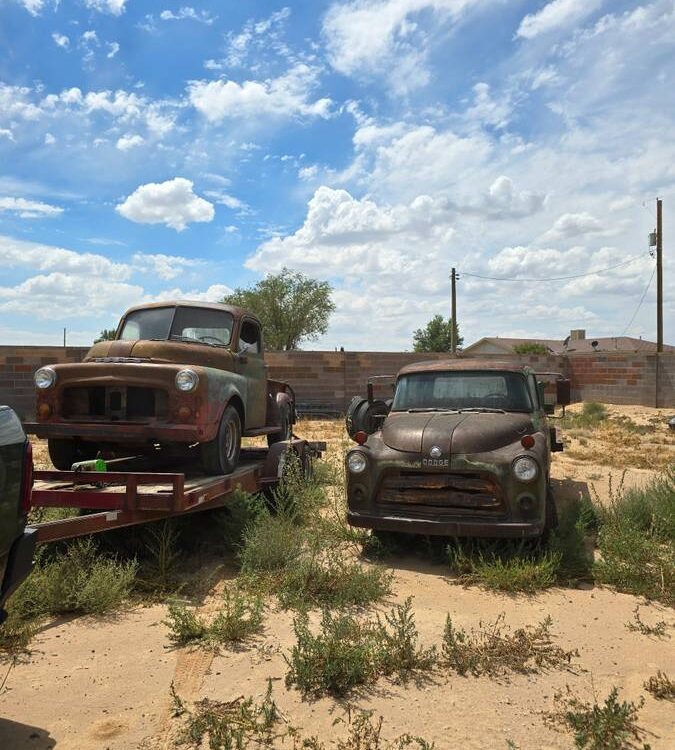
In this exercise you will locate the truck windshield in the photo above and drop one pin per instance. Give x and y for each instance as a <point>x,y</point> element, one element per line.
<point>196,324</point>
<point>505,391</point>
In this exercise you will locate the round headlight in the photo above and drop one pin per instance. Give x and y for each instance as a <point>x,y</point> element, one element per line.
<point>187,380</point>
<point>356,462</point>
<point>45,377</point>
<point>525,469</point>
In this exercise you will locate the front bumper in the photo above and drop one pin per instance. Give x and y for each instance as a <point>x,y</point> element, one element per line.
<point>19,565</point>
<point>113,432</point>
<point>479,527</point>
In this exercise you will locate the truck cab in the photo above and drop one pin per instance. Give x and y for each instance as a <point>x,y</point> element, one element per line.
<point>463,449</point>
<point>16,479</point>
<point>177,374</point>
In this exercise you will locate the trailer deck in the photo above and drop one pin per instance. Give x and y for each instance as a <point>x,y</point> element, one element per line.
<point>128,498</point>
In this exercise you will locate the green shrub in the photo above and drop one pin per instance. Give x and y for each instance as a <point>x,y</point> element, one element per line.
<point>635,562</point>
<point>494,650</point>
<point>591,415</point>
<point>184,625</point>
<point>331,582</point>
<point>240,617</point>
<point>270,543</point>
<point>239,723</point>
<point>346,652</point>
<point>610,726</point>
<point>77,579</point>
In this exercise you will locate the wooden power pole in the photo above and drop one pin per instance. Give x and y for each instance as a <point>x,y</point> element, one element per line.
<point>453,324</point>
<point>659,276</point>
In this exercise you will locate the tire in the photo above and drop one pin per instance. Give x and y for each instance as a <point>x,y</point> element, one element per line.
<point>221,455</point>
<point>64,452</point>
<point>285,431</point>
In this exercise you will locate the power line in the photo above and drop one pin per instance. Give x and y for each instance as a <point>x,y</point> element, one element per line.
<point>642,299</point>
<point>555,278</point>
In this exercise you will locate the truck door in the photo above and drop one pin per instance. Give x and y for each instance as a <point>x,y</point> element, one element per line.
<point>251,365</point>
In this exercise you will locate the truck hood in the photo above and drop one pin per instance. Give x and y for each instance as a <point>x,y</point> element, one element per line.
<point>454,433</point>
<point>162,352</point>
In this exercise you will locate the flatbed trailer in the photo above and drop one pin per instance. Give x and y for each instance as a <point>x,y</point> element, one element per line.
<point>115,499</point>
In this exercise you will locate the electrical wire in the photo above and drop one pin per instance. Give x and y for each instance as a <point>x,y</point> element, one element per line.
<point>553,278</point>
<point>642,299</point>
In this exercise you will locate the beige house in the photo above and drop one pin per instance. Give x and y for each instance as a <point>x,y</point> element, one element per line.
<point>575,342</point>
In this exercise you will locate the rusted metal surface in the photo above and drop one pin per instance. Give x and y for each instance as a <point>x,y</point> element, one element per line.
<point>124,392</point>
<point>133,498</point>
<point>450,470</point>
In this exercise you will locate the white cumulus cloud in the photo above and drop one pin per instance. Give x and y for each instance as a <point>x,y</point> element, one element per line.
<point>128,141</point>
<point>114,7</point>
<point>555,15</point>
<point>61,40</point>
<point>28,209</point>
<point>285,96</point>
<point>188,13</point>
<point>172,203</point>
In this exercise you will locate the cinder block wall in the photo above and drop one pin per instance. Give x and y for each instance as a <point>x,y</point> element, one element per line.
<point>329,380</point>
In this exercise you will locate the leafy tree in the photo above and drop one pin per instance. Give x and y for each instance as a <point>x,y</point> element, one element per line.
<point>531,347</point>
<point>436,336</point>
<point>107,334</point>
<point>292,307</point>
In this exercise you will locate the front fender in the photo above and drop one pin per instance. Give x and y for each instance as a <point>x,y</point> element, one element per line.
<point>222,387</point>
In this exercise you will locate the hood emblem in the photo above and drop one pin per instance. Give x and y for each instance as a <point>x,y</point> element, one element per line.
<point>435,451</point>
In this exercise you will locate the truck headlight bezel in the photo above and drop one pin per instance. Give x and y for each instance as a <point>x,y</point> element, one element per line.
<point>186,380</point>
<point>525,469</point>
<point>357,462</point>
<point>44,378</point>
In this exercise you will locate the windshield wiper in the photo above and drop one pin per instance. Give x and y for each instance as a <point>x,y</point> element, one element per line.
<point>190,340</point>
<point>420,410</point>
<point>484,410</point>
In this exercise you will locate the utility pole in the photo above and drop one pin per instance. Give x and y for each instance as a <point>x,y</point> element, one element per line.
<point>453,328</point>
<point>64,338</point>
<point>659,276</point>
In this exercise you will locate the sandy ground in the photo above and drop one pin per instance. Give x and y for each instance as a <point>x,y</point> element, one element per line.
<point>104,683</point>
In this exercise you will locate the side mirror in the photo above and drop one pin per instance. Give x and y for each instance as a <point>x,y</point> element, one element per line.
<point>563,392</point>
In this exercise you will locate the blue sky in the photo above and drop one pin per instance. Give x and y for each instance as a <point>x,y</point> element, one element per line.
<point>152,150</point>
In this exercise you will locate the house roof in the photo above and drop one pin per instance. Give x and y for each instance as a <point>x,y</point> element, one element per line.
<point>557,346</point>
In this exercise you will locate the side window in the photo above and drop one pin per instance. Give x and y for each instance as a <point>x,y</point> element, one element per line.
<point>534,393</point>
<point>249,338</point>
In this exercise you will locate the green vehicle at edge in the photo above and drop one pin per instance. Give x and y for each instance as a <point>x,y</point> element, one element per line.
<point>17,544</point>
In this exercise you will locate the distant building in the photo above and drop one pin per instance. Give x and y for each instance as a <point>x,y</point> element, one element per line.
<point>575,342</point>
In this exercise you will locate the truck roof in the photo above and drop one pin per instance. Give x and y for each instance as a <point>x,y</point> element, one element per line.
<point>237,312</point>
<point>443,365</point>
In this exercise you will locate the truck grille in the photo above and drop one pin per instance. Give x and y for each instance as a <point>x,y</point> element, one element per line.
<point>461,491</point>
<point>115,403</point>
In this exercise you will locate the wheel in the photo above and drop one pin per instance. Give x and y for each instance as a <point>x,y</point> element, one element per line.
<point>285,427</point>
<point>64,452</point>
<point>221,455</point>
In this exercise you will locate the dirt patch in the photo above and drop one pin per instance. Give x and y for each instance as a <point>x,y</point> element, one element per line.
<point>92,683</point>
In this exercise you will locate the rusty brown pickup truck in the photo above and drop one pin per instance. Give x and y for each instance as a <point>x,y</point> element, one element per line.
<point>464,449</point>
<point>179,376</point>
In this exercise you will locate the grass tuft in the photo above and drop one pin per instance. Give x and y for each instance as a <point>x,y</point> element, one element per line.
<point>661,686</point>
<point>331,582</point>
<point>638,625</point>
<point>494,651</point>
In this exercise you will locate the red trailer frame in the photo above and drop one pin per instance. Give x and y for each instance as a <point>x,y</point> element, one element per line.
<point>125,498</point>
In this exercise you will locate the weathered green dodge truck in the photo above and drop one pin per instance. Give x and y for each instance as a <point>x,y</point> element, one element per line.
<point>464,449</point>
<point>180,376</point>
<point>16,479</point>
